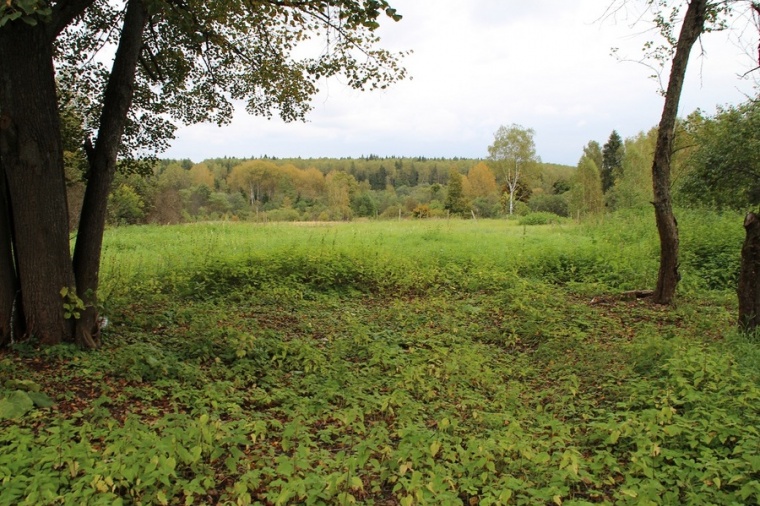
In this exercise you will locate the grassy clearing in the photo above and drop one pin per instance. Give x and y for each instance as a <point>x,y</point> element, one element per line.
<point>444,362</point>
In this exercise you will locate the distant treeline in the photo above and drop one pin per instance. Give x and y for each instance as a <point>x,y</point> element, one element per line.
<point>329,189</point>
<point>714,165</point>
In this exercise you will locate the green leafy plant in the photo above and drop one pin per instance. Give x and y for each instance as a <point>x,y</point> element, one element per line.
<point>411,364</point>
<point>28,11</point>
<point>72,304</point>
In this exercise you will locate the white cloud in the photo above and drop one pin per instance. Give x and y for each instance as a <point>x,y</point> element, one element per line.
<point>479,64</point>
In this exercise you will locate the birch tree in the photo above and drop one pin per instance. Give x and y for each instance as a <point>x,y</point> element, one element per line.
<point>512,153</point>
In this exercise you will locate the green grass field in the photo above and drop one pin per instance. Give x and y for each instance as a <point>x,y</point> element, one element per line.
<point>415,362</point>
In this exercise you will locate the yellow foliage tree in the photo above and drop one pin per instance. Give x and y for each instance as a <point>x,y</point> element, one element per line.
<point>257,178</point>
<point>310,184</point>
<point>201,174</point>
<point>482,182</point>
<point>340,187</point>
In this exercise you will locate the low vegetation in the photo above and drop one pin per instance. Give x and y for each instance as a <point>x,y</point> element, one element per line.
<point>413,362</point>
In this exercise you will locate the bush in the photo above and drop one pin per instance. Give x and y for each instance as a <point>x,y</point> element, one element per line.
<point>541,218</point>
<point>556,204</point>
<point>393,212</point>
<point>486,207</point>
<point>421,211</point>
<point>289,214</point>
<point>711,248</point>
<point>521,208</point>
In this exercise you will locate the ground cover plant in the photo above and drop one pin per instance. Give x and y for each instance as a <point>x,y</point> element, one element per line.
<point>414,362</point>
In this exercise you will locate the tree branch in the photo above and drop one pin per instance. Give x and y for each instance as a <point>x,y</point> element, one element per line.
<point>64,13</point>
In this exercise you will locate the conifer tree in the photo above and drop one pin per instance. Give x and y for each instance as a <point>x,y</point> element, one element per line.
<point>612,160</point>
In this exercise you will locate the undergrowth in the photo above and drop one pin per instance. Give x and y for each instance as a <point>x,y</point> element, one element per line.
<point>440,363</point>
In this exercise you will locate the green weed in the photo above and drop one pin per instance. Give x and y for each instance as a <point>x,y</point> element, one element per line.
<point>436,362</point>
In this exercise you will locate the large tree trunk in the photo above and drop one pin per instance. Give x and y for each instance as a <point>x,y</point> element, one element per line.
<point>11,315</point>
<point>749,278</point>
<point>116,103</point>
<point>32,158</point>
<point>668,277</point>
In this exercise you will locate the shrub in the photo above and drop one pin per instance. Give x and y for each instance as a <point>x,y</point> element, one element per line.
<point>711,251</point>
<point>393,212</point>
<point>421,211</point>
<point>289,214</point>
<point>486,207</point>
<point>549,203</point>
<point>540,218</point>
<point>521,208</point>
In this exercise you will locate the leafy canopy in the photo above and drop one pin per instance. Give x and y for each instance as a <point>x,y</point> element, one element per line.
<point>512,149</point>
<point>724,171</point>
<point>201,58</point>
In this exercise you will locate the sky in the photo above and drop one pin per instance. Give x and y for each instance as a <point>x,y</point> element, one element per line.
<point>480,64</point>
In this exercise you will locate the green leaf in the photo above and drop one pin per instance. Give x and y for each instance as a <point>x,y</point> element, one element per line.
<point>672,430</point>
<point>25,385</point>
<point>15,405</point>
<point>356,483</point>
<point>434,447</point>
<point>41,400</point>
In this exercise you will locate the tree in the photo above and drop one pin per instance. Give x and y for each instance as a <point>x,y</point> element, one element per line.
<point>633,184</point>
<point>548,203</point>
<point>612,160</point>
<point>456,202</point>
<point>364,205</point>
<point>200,174</point>
<point>668,276</point>
<point>512,153</point>
<point>482,181</point>
<point>173,60</point>
<point>174,177</point>
<point>560,186</point>
<point>723,171</point>
<point>125,207</point>
<point>748,290</point>
<point>256,178</point>
<point>310,184</point>
<point>341,187</point>
<point>701,16</point>
<point>593,151</point>
<point>586,195</point>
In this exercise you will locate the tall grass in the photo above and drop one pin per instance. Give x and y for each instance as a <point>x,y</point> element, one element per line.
<point>618,253</point>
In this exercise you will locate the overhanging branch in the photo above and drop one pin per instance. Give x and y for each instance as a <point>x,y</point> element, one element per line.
<point>64,13</point>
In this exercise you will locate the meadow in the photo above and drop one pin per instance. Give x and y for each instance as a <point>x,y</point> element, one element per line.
<point>395,362</point>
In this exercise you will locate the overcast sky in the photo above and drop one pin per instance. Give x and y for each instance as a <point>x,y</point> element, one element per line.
<point>479,64</point>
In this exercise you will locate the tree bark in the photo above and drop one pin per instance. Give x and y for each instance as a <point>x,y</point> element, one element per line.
<point>10,308</point>
<point>32,158</point>
<point>116,103</point>
<point>667,226</point>
<point>749,277</point>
